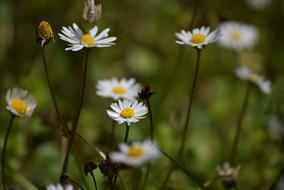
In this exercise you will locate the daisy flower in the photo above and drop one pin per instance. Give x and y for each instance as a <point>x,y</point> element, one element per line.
<point>116,89</point>
<point>77,40</point>
<point>136,154</point>
<point>245,73</point>
<point>20,103</point>
<point>127,111</point>
<point>59,187</point>
<point>228,172</point>
<point>237,36</point>
<point>199,37</point>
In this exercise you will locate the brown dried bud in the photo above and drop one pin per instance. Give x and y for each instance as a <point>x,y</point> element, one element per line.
<point>92,12</point>
<point>146,92</point>
<point>89,166</point>
<point>44,33</point>
<point>108,168</point>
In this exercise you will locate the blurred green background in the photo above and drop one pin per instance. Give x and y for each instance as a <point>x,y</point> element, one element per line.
<point>146,50</point>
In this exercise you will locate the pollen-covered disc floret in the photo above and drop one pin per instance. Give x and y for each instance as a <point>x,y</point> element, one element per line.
<point>118,89</point>
<point>20,103</point>
<point>59,187</point>
<point>237,35</point>
<point>127,111</point>
<point>136,154</point>
<point>77,40</point>
<point>245,73</point>
<point>199,37</point>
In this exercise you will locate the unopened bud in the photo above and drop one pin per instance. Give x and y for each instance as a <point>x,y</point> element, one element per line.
<point>44,33</point>
<point>146,92</point>
<point>89,166</point>
<point>92,12</point>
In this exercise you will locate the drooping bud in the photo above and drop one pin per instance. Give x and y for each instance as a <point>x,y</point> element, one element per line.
<point>92,12</point>
<point>89,166</point>
<point>65,179</point>
<point>146,92</point>
<point>44,33</point>
<point>108,168</point>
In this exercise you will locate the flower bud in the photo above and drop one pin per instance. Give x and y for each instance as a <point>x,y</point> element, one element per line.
<point>89,166</point>
<point>92,12</point>
<point>146,92</point>
<point>44,33</point>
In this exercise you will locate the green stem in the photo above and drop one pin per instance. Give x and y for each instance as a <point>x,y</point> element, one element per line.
<point>146,176</point>
<point>3,160</point>
<point>126,132</point>
<point>186,125</point>
<point>151,120</point>
<point>94,179</point>
<point>78,111</point>
<point>234,148</point>
<point>59,117</point>
<point>190,174</point>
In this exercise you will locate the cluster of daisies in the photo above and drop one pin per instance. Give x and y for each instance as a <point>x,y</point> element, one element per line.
<point>127,110</point>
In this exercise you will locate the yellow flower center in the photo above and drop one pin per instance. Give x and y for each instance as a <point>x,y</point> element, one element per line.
<point>135,151</point>
<point>254,77</point>
<point>127,112</point>
<point>119,90</point>
<point>236,35</point>
<point>87,39</point>
<point>20,106</point>
<point>198,38</point>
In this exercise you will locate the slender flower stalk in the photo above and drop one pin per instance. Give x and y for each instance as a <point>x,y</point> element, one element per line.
<point>151,120</point>
<point>77,112</point>
<point>3,159</point>
<point>59,117</point>
<point>94,179</point>
<point>126,132</point>
<point>186,125</point>
<point>234,148</point>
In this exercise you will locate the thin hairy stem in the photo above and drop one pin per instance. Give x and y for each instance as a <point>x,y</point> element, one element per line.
<point>240,120</point>
<point>78,111</point>
<point>94,179</point>
<point>3,160</point>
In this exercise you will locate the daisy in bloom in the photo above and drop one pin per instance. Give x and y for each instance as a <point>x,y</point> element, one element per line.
<point>136,154</point>
<point>20,103</point>
<point>237,36</point>
<point>245,73</point>
<point>59,187</point>
<point>78,40</point>
<point>117,89</point>
<point>127,111</point>
<point>199,37</point>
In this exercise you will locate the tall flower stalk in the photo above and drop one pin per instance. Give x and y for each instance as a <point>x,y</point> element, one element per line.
<point>78,111</point>
<point>234,149</point>
<point>3,159</point>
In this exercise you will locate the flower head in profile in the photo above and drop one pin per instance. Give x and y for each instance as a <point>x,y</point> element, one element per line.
<point>77,40</point>
<point>59,187</point>
<point>118,89</point>
<point>44,33</point>
<point>237,35</point>
<point>245,73</point>
<point>136,154</point>
<point>20,103</point>
<point>92,12</point>
<point>199,37</point>
<point>127,111</point>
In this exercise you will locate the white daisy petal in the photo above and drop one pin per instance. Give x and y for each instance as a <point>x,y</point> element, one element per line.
<point>59,187</point>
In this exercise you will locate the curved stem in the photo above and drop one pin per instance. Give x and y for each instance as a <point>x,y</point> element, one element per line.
<point>62,123</point>
<point>3,160</point>
<point>78,111</point>
<point>234,148</point>
<point>126,132</point>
